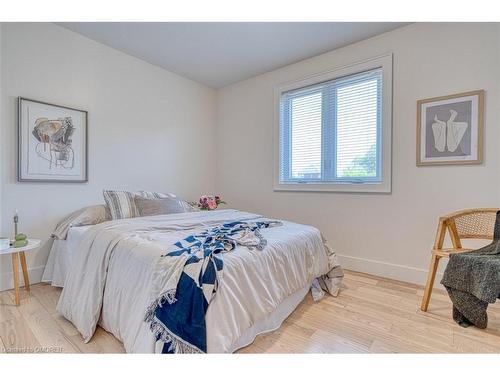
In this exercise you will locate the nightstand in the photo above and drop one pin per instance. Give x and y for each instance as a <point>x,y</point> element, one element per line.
<point>18,253</point>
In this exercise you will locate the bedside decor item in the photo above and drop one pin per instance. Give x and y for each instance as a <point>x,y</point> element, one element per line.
<point>16,220</point>
<point>450,129</point>
<point>208,202</point>
<point>20,240</point>
<point>52,142</point>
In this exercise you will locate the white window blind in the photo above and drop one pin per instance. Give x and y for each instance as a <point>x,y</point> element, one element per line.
<point>331,132</point>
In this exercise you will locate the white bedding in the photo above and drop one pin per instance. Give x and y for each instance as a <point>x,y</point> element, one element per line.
<point>111,278</point>
<point>61,255</point>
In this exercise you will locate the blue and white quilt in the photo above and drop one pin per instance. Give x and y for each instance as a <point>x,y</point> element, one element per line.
<point>177,316</point>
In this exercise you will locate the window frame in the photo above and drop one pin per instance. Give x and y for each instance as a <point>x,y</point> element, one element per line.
<point>384,186</point>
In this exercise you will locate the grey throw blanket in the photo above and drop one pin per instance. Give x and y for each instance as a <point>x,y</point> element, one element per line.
<point>473,281</point>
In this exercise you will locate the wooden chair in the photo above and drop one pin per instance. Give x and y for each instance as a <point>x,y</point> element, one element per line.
<point>476,223</point>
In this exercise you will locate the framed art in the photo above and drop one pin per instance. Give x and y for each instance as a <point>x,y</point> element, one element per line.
<point>52,142</point>
<point>450,129</point>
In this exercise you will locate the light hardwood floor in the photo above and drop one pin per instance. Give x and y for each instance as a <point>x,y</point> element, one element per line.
<point>371,315</point>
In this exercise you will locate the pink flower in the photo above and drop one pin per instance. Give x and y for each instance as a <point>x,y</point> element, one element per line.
<point>209,202</point>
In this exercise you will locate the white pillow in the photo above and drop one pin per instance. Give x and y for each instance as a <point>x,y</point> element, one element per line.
<point>86,216</point>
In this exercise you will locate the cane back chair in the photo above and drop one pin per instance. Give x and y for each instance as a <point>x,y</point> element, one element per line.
<point>478,223</point>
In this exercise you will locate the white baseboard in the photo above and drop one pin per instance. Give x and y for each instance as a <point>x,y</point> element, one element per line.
<point>7,282</point>
<point>388,270</point>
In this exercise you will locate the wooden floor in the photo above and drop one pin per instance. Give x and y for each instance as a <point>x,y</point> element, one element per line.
<point>371,315</point>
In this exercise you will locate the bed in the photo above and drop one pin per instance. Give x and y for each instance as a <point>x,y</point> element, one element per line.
<point>106,271</point>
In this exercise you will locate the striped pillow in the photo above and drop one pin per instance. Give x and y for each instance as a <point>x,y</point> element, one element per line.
<point>154,195</point>
<point>121,204</point>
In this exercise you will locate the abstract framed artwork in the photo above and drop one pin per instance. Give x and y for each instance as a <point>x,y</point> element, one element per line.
<point>450,129</point>
<point>52,142</point>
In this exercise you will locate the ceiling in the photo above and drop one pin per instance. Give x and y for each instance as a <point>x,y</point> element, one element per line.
<point>217,54</point>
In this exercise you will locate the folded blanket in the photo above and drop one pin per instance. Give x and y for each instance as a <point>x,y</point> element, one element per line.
<point>177,315</point>
<point>472,281</point>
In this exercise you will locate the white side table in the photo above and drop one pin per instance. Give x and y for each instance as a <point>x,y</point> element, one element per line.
<point>19,253</point>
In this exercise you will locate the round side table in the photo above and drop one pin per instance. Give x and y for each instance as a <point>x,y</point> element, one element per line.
<point>19,253</point>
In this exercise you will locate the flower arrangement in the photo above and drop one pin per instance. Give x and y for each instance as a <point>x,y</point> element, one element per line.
<point>209,202</point>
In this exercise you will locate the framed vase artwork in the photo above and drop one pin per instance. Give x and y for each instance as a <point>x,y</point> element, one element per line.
<point>52,142</point>
<point>450,129</point>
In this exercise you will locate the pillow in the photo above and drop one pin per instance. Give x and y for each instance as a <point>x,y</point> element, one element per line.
<point>86,216</point>
<point>163,206</point>
<point>154,194</point>
<point>121,204</point>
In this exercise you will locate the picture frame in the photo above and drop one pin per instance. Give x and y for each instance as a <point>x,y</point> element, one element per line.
<point>52,142</point>
<point>450,129</point>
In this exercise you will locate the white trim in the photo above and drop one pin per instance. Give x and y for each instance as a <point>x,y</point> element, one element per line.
<point>384,62</point>
<point>6,280</point>
<point>388,270</point>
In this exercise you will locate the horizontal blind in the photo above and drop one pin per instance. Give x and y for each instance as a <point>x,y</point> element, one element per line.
<point>358,106</point>
<point>306,136</point>
<point>331,131</point>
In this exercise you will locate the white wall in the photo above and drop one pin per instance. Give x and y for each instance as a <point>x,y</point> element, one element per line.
<point>148,128</point>
<point>390,235</point>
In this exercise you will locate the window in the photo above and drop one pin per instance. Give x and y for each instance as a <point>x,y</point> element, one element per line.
<point>334,130</point>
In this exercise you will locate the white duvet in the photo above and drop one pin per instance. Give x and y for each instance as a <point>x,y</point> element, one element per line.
<point>111,278</point>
